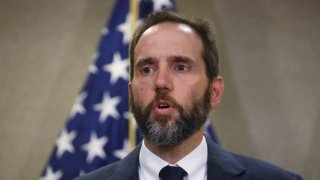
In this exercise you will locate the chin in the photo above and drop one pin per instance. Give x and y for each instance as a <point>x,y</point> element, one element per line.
<point>164,120</point>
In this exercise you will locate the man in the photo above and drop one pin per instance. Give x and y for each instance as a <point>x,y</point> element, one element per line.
<point>174,83</point>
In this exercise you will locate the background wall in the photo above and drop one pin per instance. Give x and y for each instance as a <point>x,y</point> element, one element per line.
<point>270,59</point>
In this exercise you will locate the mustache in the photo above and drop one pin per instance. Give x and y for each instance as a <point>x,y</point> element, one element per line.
<point>162,96</point>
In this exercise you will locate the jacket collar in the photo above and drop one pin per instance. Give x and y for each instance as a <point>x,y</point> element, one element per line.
<point>221,164</point>
<point>129,166</point>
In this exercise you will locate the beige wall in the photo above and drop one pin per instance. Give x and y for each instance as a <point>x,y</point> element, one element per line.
<point>270,58</point>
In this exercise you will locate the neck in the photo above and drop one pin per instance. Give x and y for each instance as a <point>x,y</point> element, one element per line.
<point>172,154</point>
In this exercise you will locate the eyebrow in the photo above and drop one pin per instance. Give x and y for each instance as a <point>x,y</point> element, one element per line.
<point>178,58</point>
<point>144,61</point>
<point>184,59</point>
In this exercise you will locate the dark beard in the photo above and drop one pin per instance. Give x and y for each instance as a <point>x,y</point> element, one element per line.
<point>191,119</point>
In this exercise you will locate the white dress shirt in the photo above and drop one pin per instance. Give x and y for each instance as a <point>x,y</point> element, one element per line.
<point>195,163</point>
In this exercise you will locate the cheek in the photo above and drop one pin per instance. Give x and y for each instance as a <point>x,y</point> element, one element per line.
<point>138,89</point>
<point>141,93</point>
<point>141,89</point>
<point>192,91</point>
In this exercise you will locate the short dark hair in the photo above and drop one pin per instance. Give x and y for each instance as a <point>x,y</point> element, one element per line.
<point>201,26</point>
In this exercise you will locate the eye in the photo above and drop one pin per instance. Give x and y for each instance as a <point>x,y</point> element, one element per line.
<point>147,70</point>
<point>181,67</point>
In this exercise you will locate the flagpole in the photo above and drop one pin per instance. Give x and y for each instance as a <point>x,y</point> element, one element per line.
<point>134,15</point>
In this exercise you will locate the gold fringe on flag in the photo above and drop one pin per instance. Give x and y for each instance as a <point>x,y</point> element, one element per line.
<point>134,16</point>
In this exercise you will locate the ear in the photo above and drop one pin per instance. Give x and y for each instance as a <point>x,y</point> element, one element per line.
<point>217,88</point>
<point>129,88</point>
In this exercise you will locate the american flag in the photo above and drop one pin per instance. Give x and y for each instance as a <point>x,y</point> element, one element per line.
<point>96,132</point>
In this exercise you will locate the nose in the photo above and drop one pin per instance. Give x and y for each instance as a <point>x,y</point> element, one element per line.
<point>163,80</point>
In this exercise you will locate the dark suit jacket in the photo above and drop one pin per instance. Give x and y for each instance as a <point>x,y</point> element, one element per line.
<point>222,165</point>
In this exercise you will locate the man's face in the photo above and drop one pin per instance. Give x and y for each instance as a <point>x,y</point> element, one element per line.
<point>169,92</point>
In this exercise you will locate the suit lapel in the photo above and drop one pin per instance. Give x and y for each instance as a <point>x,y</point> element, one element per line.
<point>129,166</point>
<point>221,164</point>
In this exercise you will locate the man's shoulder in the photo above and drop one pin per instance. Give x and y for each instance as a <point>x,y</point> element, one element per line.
<point>104,173</point>
<point>229,164</point>
<point>127,168</point>
<point>259,169</point>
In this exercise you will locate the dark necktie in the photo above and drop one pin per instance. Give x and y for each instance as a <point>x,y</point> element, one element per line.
<point>172,173</point>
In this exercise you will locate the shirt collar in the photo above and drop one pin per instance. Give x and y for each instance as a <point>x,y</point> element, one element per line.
<point>193,163</point>
<point>149,162</point>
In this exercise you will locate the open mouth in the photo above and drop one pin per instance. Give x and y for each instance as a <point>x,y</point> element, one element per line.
<point>163,105</point>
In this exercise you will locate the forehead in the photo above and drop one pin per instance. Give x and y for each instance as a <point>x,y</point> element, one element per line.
<point>169,26</point>
<point>169,37</point>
